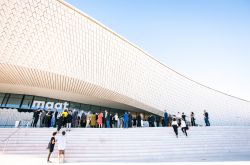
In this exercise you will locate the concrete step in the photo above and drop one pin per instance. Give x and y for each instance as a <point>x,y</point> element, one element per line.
<point>133,151</point>
<point>152,157</point>
<point>135,144</point>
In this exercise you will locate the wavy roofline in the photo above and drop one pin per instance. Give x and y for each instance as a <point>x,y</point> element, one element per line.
<point>143,51</point>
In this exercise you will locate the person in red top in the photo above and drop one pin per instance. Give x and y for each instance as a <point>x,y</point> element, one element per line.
<point>100,120</point>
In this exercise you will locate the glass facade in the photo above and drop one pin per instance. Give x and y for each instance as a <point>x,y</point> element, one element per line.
<point>1,98</point>
<point>14,101</point>
<point>14,107</point>
<point>25,103</point>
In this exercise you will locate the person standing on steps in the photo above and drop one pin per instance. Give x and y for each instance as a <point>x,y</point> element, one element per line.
<point>60,123</point>
<point>170,119</point>
<point>51,146</point>
<point>125,119</point>
<point>93,120</point>
<point>192,119</point>
<point>183,116</point>
<point>157,119</point>
<point>56,118</point>
<point>61,147</point>
<point>206,118</point>
<point>139,119</point>
<point>35,118</point>
<point>83,120</point>
<point>116,120</point>
<point>99,120</point>
<point>42,118</point>
<point>166,118</point>
<point>107,119</point>
<point>68,121</point>
<point>175,126</point>
<point>129,120</point>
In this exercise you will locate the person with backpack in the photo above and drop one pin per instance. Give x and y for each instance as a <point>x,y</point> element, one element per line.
<point>192,119</point>
<point>83,120</point>
<point>166,117</point>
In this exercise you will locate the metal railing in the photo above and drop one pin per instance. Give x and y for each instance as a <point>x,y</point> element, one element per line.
<point>5,141</point>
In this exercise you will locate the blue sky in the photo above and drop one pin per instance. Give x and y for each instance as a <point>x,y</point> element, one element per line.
<point>206,40</point>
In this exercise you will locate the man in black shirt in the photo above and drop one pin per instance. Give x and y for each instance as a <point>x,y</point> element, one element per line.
<point>35,117</point>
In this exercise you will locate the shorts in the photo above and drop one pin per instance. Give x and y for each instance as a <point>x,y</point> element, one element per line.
<point>51,148</point>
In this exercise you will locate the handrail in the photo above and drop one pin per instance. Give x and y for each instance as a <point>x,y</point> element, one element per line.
<point>11,134</point>
<point>6,122</point>
<point>6,140</point>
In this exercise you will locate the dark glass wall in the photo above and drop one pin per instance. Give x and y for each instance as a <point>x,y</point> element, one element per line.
<point>25,103</point>
<point>1,98</point>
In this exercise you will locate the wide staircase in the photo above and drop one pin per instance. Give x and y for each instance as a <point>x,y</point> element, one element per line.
<point>134,144</point>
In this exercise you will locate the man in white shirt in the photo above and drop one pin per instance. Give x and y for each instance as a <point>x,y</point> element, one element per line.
<point>61,147</point>
<point>178,118</point>
<point>116,120</point>
<point>183,126</point>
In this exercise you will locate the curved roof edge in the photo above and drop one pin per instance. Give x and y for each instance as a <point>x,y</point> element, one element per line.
<point>140,49</point>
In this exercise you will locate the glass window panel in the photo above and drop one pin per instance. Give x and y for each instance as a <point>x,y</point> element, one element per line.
<point>38,98</point>
<point>74,105</point>
<point>28,97</point>
<point>95,109</point>
<point>85,107</point>
<point>120,112</point>
<point>5,100</point>
<point>27,102</point>
<point>16,96</point>
<point>105,108</point>
<point>14,101</point>
<point>1,98</point>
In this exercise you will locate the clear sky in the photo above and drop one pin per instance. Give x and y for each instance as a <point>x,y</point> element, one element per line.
<point>205,40</point>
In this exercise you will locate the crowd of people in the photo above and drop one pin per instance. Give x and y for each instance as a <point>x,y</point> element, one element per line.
<point>73,118</point>
<point>76,119</point>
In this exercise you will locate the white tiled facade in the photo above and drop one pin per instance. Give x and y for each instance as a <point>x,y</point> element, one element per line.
<point>49,48</point>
